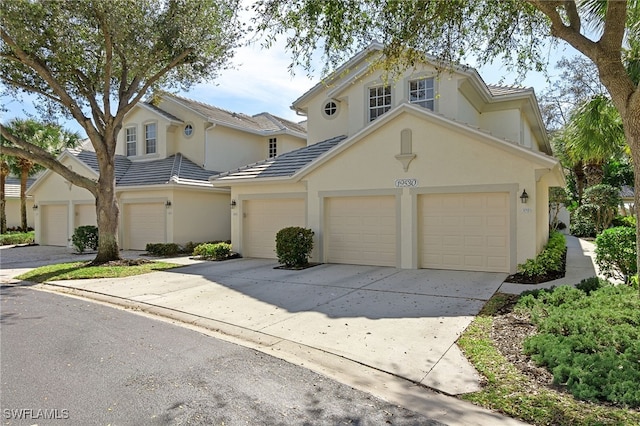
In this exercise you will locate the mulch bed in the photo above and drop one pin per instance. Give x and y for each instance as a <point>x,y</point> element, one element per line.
<point>297,268</point>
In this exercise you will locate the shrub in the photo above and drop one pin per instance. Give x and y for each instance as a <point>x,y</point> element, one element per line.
<point>163,249</point>
<point>558,198</point>
<point>582,224</point>
<point>85,237</point>
<point>217,251</point>
<point>550,259</point>
<point>591,343</point>
<point>591,284</point>
<point>629,221</point>
<point>11,238</point>
<point>294,245</point>
<point>616,253</point>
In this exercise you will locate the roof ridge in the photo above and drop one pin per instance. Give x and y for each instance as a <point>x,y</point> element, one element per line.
<point>232,113</point>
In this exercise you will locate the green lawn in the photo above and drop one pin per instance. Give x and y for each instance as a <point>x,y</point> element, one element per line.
<point>82,270</point>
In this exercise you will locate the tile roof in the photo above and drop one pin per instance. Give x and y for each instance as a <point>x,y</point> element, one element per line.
<point>162,112</point>
<point>500,90</point>
<point>12,186</point>
<point>176,168</point>
<point>261,123</point>
<point>284,165</point>
<point>627,191</point>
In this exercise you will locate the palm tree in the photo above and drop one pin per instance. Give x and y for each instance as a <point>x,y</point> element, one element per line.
<point>594,135</point>
<point>50,137</point>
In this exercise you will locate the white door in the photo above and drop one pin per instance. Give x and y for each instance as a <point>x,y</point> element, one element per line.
<point>464,231</point>
<point>262,219</point>
<point>54,222</point>
<point>85,215</point>
<point>144,223</point>
<point>361,230</point>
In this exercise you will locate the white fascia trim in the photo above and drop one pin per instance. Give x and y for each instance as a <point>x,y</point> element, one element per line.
<point>219,183</point>
<point>148,108</point>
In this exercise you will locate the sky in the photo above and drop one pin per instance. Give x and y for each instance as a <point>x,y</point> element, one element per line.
<point>260,81</point>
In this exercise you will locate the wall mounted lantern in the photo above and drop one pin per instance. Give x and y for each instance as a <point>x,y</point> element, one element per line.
<point>524,197</point>
<point>233,204</point>
<point>35,207</point>
<point>167,204</point>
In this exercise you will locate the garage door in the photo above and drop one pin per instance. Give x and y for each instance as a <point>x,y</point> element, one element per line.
<point>361,230</point>
<point>54,222</point>
<point>262,221</point>
<point>464,231</point>
<point>85,215</point>
<point>144,223</point>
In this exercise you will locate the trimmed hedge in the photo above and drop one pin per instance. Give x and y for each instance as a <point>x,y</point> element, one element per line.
<point>13,237</point>
<point>293,246</point>
<point>85,237</point>
<point>616,253</point>
<point>163,249</point>
<point>549,260</point>
<point>218,251</point>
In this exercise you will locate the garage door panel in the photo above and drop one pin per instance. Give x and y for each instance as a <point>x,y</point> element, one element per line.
<point>85,215</point>
<point>464,231</point>
<point>54,222</point>
<point>262,221</point>
<point>144,223</point>
<point>369,237</point>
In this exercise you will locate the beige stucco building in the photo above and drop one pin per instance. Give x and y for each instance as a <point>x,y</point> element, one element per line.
<point>424,170</point>
<point>165,154</point>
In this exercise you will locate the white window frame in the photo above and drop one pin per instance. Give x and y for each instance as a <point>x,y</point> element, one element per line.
<point>424,94</point>
<point>131,141</point>
<point>273,147</point>
<point>150,141</point>
<point>381,98</point>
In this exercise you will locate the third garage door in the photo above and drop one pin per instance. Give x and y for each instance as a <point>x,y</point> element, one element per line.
<point>361,230</point>
<point>465,231</point>
<point>144,223</point>
<point>262,221</point>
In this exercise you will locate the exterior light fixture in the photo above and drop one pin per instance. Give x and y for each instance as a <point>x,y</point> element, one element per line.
<point>524,197</point>
<point>35,207</point>
<point>233,204</point>
<point>167,204</point>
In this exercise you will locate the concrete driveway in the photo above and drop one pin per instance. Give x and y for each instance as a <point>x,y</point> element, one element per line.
<point>403,322</point>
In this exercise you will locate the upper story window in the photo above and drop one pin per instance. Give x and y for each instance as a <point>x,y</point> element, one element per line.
<point>188,130</point>
<point>130,136</point>
<point>273,147</point>
<point>421,92</point>
<point>150,138</point>
<point>379,101</point>
<point>330,109</point>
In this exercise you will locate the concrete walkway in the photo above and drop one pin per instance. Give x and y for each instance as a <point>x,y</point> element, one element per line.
<point>386,331</point>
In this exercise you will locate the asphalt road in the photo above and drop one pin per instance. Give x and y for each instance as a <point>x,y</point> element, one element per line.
<point>69,361</point>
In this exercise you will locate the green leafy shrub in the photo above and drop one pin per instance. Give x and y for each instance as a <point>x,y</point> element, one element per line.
<point>582,224</point>
<point>163,249</point>
<point>11,238</point>
<point>85,237</point>
<point>616,253</point>
<point>294,245</point>
<point>591,284</point>
<point>629,221</point>
<point>599,207</point>
<point>550,259</point>
<point>590,342</point>
<point>217,251</point>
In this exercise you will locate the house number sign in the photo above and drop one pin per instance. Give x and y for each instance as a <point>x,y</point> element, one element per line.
<point>406,183</point>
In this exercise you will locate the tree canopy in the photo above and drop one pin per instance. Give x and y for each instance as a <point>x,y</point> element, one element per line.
<point>93,60</point>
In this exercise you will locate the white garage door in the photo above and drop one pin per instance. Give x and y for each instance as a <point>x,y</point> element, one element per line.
<point>144,223</point>
<point>262,221</point>
<point>54,222</point>
<point>85,215</point>
<point>361,230</point>
<point>464,231</point>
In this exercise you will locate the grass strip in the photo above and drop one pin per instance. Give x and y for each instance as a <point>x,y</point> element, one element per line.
<point>82,270</point>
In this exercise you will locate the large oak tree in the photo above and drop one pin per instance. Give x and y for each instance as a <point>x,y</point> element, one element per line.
<point>93,60</point>
<point>515,32</point>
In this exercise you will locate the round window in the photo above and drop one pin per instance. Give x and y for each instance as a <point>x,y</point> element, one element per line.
<point>330,109</point>
<point>188,130</point>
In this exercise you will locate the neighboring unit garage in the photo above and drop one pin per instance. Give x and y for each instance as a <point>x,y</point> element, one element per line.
<point>54,222</point>
<point>263,218</point>
<point>468,231</point>
<point>361,230</point>
<point>144,223</point>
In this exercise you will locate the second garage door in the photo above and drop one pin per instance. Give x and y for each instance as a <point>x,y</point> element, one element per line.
<point>85,215</point>
<point>465,231</point>
<point>54,225</point>
<point>262,221</point>
<point>144,223</point>
<point>361,230</point>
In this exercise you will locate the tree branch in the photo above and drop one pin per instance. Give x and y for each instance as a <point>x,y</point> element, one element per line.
<point>38,155</point>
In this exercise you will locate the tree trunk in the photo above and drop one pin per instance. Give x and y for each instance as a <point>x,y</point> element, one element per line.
<point>593,173</point>
<point>578,171</point>
<point>4,171</point>
<point>24,175</point>
<point>107,213</point>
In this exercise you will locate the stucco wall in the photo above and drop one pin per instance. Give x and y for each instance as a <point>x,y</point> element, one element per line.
<point>229,149</point>
<point>201,216</point>
<point>12,209</point>
<point>504,124</point>
<point>137,118</point>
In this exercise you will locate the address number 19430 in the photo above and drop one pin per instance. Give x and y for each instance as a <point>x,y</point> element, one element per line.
<point>406,183</point>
